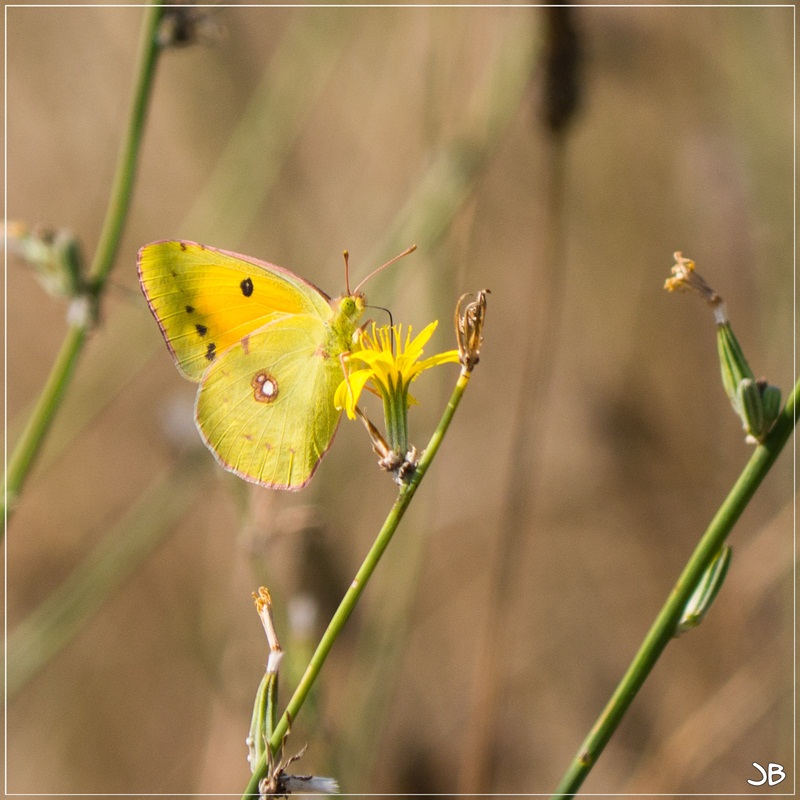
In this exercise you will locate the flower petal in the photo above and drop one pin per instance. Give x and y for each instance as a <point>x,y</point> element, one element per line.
<point>413,349</point>
<point>391,362</point>
<point>433,361</point>
<point>349,390</point>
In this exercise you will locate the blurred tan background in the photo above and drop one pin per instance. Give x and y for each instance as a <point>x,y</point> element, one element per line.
<point>591,450</point>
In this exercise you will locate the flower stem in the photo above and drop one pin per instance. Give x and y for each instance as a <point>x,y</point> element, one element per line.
<point>663,629</point>
<point>353,593</point>
<point>33,435</point>
<point>395,417</point>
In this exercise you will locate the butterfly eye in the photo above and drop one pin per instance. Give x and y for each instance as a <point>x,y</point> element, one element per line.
<point>265,386</point>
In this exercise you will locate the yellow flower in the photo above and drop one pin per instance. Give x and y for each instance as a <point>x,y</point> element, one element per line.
<point>392,363</point>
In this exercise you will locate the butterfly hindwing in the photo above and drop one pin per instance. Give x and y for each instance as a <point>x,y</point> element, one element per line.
<point>265,406</point>
<point>206,300</point>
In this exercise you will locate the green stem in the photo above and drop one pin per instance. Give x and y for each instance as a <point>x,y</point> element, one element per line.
<point>663,629</point>
<point>35,430</point>
<point>122,188</point>
<point>33,435</point>
<point>357,586</point>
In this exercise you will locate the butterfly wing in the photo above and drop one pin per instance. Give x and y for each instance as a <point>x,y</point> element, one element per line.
<point>265,406</point>
<point>206,300</point>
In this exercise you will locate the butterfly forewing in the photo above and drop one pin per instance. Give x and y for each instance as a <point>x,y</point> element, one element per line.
<point>206,300</point>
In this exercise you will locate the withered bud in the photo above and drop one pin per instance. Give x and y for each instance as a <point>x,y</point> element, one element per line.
<point>469,319</point>
<point>684,278</point>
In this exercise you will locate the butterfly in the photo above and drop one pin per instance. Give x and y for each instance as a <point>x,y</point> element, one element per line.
<point>267,348</point>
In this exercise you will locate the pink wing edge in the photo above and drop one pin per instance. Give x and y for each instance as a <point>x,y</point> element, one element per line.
<point>284,487</point>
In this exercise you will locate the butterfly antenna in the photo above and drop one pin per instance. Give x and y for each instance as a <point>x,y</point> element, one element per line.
<point>381,308</point>
<point>382,267</point>
<point>346,256</point>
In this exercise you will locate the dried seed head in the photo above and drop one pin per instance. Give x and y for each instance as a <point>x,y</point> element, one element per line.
<point>469,320</point>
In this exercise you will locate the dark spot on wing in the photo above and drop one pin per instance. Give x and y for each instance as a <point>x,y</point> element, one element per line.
<point>201,329</point>
<point>211,351</point>
<point>183,246</point>
<point>190,309</point>
<point>247,287</point>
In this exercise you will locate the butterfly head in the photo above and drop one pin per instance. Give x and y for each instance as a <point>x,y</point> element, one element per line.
<point>347,313</point>
<point>351,307</point>
<point>344,322</point>
<point>348,309</point>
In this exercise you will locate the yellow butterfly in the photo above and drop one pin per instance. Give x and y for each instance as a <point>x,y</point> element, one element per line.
<point>266,347</point>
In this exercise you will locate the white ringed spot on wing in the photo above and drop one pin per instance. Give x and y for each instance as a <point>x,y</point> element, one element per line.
<point>265,387</point>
